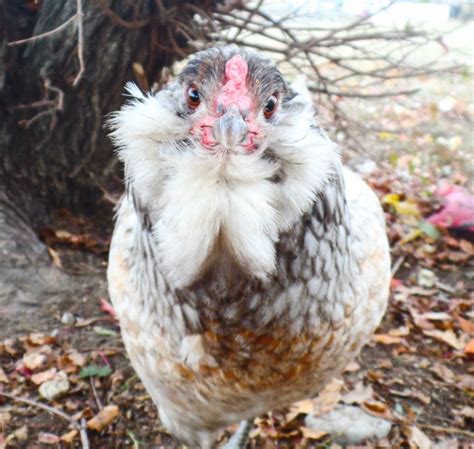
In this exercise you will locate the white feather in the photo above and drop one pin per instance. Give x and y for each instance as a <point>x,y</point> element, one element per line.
<point>201,202</point>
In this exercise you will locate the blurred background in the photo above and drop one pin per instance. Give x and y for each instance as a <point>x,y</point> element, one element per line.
<point>392,84</point>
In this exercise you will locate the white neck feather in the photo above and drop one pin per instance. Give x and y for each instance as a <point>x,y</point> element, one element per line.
<point>201,204</point>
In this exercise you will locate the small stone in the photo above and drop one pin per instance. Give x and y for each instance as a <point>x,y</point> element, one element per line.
<point>426,278</point>
<point>349,425</point>
<point>55,388</point>
<point>21,434</point>
<point>68,319</point>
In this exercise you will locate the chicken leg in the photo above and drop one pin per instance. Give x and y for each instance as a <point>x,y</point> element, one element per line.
<point>240,437</point>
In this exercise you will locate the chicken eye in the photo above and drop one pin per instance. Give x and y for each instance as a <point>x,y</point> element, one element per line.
<point>194,99</point>
<point>270,106</point>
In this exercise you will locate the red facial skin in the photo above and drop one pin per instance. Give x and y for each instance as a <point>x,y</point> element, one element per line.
<point>234,92</point>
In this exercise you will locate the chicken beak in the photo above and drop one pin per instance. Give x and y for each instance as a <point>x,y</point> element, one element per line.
<point>230,130</point>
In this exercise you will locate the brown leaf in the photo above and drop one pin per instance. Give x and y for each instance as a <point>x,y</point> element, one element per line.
<point>377,408</point>
<point>468,349</point>
<point>311,434</point>
<point>5,418</point>
<point>304,407</point>
<point>386,339</point>
<point>103,418</point>
<point>468,412</point>
<point>417,439</point>
<point>402,331</point>
<point>48,438</point>
<point>375,376</point>
<point>385,364</point>
<point>437,316</point>
<point>328,397</point>
<point>359,394</point>
<point>21,433</point>
<point>34,360</point>
<point>69,437</point>
<point>40,339</point>
<point>3,377</point>
<point>352,367</point>
<point>466,325</point>
<point>448,337</point>
<point>71,362</point>
<point>43,376</point>
<point>443,372</point>
<point>466,382</point>
<point>452,443</point>
<point>8,347</point>
<point>412,394</point>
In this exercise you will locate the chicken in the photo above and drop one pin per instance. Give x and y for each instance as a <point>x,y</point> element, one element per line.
<point>247,266</point>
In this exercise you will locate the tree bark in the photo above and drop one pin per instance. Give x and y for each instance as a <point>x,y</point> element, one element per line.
<point>58,159</point>
<point>54,149</point>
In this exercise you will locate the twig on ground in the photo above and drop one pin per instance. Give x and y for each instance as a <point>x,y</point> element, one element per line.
<point>83,433</point>
<point>396,266</point>
<point>45,407</point>
<point>94,392</point>
<point>447,430</point>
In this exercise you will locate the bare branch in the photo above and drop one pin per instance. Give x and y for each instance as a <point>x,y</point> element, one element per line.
<point>358,59</point>
<point>43,35</point>
<point>78,17</point>
<point>80,42</point>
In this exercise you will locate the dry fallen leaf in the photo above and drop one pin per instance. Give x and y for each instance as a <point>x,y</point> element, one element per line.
<point>437,316</point>
<point>302,407</point>
<point>323,403</point>
<point>21,433</point>
<point>417,439</point>
<point>43,376</point>
<point>402,331</point>
<point>448,337</point>
<point>103,418</point>
<point>412,394</point>
<point>468,349</point>
<point>71,362</point>
<point>311,434</point>
<point>466,325</point>
<point>69,437</point>
<point>3,377</point>
<point>359,394</point>
<point>468,412</point>
<point>328,397</point>
<point>466,382</point>
<point>40,339</point>
<point>48,438</point>
<point>386,339</point>
<point>34,360</point>
<point>378,409</point>
<point>352,367</point>
<point>443,373</point>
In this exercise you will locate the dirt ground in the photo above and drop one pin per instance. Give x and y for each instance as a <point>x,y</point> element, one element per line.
<point>417,371</point>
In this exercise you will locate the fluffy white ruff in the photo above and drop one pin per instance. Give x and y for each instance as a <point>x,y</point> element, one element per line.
<point>203,204</point>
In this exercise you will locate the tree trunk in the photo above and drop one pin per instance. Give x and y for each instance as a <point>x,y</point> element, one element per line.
<point>54,149</point>
<point>57,159</point>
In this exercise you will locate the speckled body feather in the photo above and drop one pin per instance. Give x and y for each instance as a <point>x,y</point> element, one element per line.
<point>230,329</point>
